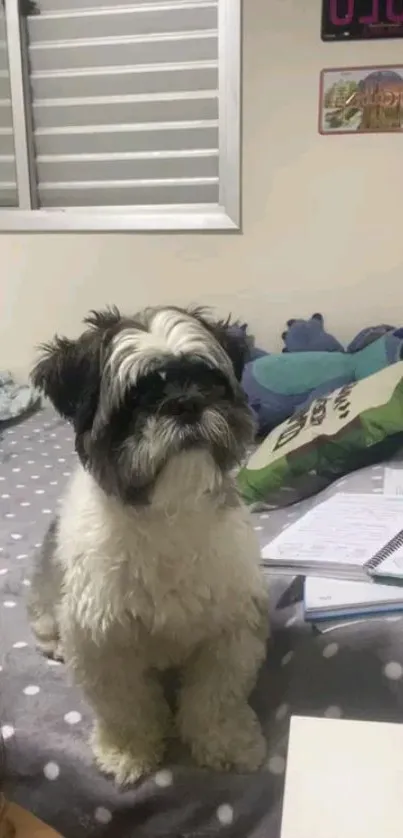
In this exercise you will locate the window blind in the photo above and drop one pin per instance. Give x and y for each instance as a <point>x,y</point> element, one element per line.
<point>8,177</point>
<point>124,103</point>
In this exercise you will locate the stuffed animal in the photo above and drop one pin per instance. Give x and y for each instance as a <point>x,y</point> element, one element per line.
<point>278,385</point>
<point>309,336</point>
<point>368,335</point>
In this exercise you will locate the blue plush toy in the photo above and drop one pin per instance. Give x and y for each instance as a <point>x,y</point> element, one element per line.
<point>309,336</point>
<point>278,385</point>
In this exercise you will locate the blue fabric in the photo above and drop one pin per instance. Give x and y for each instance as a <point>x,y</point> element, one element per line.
<point>309,336</point>
<point>278,385</point>
<point>368,335</point>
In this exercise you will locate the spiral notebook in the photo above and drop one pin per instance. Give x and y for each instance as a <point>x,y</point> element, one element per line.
<point>349,536</point>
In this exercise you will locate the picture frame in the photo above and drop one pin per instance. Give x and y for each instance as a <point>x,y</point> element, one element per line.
<point>361,100</point>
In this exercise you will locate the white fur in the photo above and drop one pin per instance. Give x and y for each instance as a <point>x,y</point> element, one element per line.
<point>173,584</point>
<point>169,333</point>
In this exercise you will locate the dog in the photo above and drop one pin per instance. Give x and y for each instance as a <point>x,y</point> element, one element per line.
<point>152,563</point>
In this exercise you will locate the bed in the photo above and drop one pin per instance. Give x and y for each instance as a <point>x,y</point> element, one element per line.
<point>354,671</point>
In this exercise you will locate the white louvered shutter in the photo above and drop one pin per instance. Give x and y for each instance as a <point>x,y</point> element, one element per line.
<point>120,114</point>
<point>8,178</point>
<point>125,102</point>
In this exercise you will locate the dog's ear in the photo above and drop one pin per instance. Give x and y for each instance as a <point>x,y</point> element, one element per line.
<point>233,338</point>
<point>68,373</point>
<point>105,319</point>
<point>232,335</point>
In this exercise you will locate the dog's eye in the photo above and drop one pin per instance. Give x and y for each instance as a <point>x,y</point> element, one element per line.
<point>221,390</point>
<point>148,390</point>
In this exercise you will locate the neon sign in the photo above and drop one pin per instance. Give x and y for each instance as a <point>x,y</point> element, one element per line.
<point>361,19</point>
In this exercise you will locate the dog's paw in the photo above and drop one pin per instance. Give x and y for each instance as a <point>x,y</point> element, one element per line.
<point>54,652</point>
<point>233,743</point>
<point>126,763</point>
<point>47,637</point>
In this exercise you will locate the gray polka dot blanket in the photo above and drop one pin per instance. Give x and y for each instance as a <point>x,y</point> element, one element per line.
<point>353,671</point>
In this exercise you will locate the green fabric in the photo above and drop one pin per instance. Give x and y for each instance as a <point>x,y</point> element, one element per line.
<point>356,425</point>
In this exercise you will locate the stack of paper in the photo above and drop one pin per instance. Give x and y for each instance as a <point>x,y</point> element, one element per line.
<point>329,600</point>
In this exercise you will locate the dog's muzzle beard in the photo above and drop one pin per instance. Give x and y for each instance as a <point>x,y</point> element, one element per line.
<point>130,452</point>
<point>189,426</point>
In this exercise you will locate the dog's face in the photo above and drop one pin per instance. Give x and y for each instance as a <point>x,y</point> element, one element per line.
<point>140,390</point>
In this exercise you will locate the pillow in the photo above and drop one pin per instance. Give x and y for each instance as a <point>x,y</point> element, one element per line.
<point>356,425</point>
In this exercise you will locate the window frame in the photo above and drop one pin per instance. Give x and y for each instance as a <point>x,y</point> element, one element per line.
<point>224,216</point>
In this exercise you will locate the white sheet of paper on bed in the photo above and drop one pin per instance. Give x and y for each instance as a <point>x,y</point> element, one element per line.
<point>348,536</point>
<point>343,780</point>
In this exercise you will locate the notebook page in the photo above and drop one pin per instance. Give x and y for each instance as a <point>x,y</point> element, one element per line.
<point>344,779</point>
<point>347,529</point>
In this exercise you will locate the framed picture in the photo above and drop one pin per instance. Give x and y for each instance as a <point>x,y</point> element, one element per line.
<point>358,100</point>
<point>361,20</point>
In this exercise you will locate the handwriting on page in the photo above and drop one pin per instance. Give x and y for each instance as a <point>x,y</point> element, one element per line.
<point>348,529</point>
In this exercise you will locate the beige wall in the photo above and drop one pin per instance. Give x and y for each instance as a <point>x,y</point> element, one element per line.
<point>323,216</point>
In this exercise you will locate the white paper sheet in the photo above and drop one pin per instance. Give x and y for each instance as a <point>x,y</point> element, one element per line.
<point>344,780</point>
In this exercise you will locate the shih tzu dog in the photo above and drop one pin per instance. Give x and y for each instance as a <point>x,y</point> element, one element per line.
<point>152,563</point>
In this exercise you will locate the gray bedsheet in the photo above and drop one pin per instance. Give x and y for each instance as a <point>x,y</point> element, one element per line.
<point>353,671</point>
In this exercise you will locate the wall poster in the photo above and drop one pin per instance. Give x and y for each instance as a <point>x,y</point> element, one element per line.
<point>356,100</point>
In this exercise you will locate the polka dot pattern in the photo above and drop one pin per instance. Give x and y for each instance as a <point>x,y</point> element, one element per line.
<point>285,660</point>
<point>330,650</point>
<point>103,815</point>
<point>7,732</point>
<point>73,717</point>
<point>163,779</point>
<point>333,712</point>
<point>31,689</point>
<point>282,712</point>
<point>325,674</point>
<point>276,764</point>
<point>51,770</point>
<point>393,670</point>
<point>225,814</point>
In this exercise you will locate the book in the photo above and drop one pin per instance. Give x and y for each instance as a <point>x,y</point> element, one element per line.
<point>357,537</point>
<point>327,600</point>
<point>343,779</point>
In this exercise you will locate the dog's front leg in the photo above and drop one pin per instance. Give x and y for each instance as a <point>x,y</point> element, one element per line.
<point>215,718</point>
<point>130,742</point>
<point>132,718</point>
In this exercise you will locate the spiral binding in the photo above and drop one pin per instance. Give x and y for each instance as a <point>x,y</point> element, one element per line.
<point>394,544</point>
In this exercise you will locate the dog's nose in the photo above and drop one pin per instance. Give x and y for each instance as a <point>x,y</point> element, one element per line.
<point>187,408</point>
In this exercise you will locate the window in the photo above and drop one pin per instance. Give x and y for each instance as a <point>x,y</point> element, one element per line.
<point>119,114</point>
